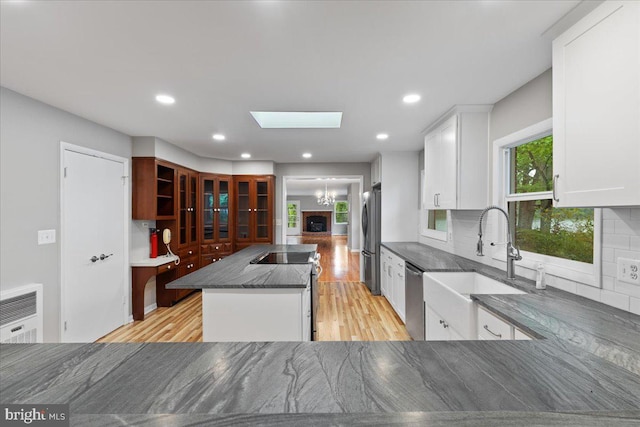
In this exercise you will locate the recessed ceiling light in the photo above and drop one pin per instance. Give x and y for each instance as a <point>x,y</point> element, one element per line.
<point>382,136</point>
<point>218,137</point>
<point>245,155</point>
<point>297,119</point>
<point>411,98</point>
<point>165,99</point>
<point>307,155</point>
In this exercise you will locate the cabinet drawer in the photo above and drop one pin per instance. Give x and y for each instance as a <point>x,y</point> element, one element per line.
<point>165,267</point>
<point>188,252</point>
<point>187,265</point>
<point>491,327</point>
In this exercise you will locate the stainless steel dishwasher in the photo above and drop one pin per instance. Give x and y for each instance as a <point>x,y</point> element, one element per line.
<point>414,301</point>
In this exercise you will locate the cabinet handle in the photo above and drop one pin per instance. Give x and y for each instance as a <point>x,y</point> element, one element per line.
<point>555,185</point>
<point>168,267</point>
<point>434,199</point>
<point>486,328</point>
<point>444,324</point>
<point>190,252</point>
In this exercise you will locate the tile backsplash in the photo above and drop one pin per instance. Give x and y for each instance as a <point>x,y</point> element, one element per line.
<point>620,238</point>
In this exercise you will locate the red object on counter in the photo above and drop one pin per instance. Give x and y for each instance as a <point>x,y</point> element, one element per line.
<point>153,243</point>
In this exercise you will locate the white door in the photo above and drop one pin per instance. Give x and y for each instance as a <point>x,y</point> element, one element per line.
<point>293,217</point>
<point>93,242</point>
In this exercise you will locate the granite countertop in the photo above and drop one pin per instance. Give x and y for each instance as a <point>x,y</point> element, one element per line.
<point>400,380</point>
<point>235,271</point>
<point>605,331</point>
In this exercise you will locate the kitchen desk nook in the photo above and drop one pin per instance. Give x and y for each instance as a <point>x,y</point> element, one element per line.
<point>245,301</point>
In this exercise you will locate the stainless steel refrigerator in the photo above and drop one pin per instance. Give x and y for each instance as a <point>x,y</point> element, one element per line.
<point>371,245</point>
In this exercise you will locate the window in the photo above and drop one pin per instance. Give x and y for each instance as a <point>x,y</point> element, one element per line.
<point>437,220</point>
<point>565,241</point>
<point>341,212</point>
<point>537,226</point>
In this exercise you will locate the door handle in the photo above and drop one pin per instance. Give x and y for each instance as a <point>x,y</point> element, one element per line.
<point>94,258</point>
<point>103,256</point>
<point>555,186</point>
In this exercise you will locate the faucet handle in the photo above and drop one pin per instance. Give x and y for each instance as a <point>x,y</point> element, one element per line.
<point>514,252</point>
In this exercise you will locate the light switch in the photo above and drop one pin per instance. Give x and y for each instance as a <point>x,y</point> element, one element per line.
<point>629,270</point>
<point>46,237</point>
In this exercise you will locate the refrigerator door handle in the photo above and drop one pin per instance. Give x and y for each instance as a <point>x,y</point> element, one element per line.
<point>367,254</point>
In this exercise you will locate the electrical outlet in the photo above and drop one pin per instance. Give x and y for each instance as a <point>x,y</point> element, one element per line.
<point>145,225</point>
<point>629,270</point>
<point>46,237</point>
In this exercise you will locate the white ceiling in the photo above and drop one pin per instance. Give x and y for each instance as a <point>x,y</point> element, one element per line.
<point>309,186</point>
<point>106,61</point>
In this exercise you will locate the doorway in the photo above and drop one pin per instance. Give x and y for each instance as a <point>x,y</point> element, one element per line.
<point>94,200</point>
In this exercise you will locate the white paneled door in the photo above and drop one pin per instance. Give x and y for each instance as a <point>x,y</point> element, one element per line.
<point>94,194</point>
<point>293,217</point>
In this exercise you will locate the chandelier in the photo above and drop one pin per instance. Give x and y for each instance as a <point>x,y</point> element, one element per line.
<point>326,199</point>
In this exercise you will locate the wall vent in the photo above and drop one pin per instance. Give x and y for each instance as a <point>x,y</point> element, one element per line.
<point>21,315</point>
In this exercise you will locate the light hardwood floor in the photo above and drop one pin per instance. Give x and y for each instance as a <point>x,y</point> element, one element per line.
<point>347,310</point>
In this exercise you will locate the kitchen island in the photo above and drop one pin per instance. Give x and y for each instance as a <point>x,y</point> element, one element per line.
<point>242,301</point>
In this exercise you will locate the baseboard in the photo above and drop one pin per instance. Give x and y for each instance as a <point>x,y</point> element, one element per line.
<point>148,309</point>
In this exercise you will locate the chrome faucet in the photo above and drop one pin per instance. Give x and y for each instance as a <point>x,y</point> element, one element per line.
<point>513,253</point>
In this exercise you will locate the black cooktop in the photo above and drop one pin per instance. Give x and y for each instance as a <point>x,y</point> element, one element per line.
<point>284,258</point>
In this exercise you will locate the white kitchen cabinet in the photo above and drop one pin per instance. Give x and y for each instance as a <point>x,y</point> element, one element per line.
<point>491,327</point>
<point>399,288</point>
<point>385,263</point>
<point>596,109</point>
<point>392,281</point>
<point>257,314</point>
<point>456,158</point>
<point>519,335</point>
<point>437,328</point>
<point>376,170</point>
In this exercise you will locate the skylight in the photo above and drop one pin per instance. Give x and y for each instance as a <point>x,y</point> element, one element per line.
<point>297,119</point>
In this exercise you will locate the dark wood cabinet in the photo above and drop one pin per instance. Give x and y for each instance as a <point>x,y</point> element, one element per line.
<point>216,219</point>
<point>187,226</point>
<point>254,209</point>
<point>154,188</point>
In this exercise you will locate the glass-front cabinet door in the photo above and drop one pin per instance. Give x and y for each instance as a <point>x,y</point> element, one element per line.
<point>262,210</point>
<point>223,226</point>
<point>192,210</point>
<point>207,226</point>
<point>243,210</point>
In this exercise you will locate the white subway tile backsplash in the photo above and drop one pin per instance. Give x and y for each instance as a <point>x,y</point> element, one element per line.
<point>618,241</point>
<point>609,226</point>
<point>634,306</point>
<point>634,243</point>
<point>621,253</point>
<point>608,255</point>
<point>618,213</point>
<point>615,299</point>
<point>627,227</point>
<point>608,283</point>
<point>627,289</point>
<point>609,269</point>
<point>588,292</point>
<point>634,214</point>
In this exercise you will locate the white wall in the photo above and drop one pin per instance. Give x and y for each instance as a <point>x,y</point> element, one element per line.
<point>400,192</point>
<point>30,135</point>
<point>528,105</point>
<point>310,203</point>
<point>355,218</point>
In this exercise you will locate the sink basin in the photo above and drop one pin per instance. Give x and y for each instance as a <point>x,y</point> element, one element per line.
<point>448,294</point>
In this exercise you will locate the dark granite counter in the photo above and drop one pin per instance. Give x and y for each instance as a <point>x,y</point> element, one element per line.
<point>235,271</point>
<point>600,329</point>
<point>315,378</point>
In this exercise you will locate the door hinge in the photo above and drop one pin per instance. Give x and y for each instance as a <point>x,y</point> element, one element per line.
<point>124,179</point>
<point>65,325</point>
<point>65,171</point>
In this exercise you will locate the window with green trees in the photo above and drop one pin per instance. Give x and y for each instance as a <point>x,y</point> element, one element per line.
<point>341,212</point>
<point>538,226</point>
